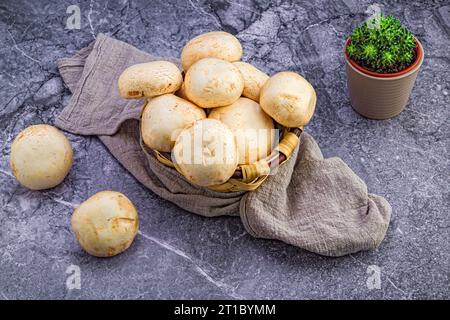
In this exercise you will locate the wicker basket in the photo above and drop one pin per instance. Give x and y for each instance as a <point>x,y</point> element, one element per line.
<point>251,176</point>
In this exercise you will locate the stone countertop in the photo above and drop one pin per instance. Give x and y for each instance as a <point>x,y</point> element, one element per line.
<point>181,255</point>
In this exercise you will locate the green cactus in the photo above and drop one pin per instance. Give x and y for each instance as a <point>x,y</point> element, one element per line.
<point>387,59</point>
<point>388,47</point>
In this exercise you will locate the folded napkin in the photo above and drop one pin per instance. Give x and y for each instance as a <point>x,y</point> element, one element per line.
<point>317,204</point>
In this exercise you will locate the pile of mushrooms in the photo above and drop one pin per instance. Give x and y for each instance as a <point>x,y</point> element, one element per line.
<point>208,118</point>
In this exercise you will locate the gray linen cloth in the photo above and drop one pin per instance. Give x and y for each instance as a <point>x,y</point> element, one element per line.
<point>317,204</point>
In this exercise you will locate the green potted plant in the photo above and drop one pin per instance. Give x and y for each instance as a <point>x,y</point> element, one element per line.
<point>382,61</point>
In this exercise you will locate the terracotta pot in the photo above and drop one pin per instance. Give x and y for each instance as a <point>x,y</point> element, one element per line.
<point>381,95</point>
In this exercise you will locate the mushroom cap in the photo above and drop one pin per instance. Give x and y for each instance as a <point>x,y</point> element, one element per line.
<point>253,129</point>
<point>254,79</point>
<point>289,99</point>
<point>211,83</point>
<point>216,44</point>
<point>206,153</point>
<point>105,224</point>
<point>41,157</point>
<point>163,119</point>
<point>149,79</point>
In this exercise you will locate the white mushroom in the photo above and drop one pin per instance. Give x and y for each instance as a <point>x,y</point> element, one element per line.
<point>252,127</point>
<point>149,79</point>
<point>216,44</point>
<point>41,156</point>
<point>105,224</point>
<point>289,99</point>
<point>254,79</point>
<point>205,153</point>
<point>212,82</point>
<point>163,119</point>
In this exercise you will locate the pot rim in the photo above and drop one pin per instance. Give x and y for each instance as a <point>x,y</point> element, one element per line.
<point>387,76</point>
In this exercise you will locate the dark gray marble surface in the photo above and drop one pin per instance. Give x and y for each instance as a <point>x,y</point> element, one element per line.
<point>178,254</point>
